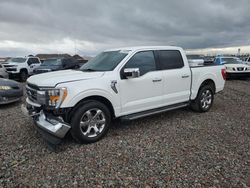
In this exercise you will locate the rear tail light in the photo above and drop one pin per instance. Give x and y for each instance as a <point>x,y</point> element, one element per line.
<point>223,73</point>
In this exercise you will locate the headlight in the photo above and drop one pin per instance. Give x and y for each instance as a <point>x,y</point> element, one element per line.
<point>5,88</point>
<point>229,68</point>
<point>55,97</point>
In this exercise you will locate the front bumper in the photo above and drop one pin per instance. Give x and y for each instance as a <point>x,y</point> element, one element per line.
<point>53,126</point>
<point>238,74</point>
<point>48,123</point>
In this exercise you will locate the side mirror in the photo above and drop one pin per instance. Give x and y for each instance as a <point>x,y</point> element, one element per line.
<point>131,73</point>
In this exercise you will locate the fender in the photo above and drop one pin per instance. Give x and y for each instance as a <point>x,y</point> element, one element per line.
<point>196,87</point>
<point>114,100</point>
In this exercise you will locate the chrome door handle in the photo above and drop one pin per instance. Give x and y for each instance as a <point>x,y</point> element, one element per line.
<point>185,76</point>
<point>157,80</point>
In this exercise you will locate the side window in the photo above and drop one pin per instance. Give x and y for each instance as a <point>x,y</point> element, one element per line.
<point>145,61</point>
<point>29,61</point>
<point>170,59</point>
<point>35,61</point>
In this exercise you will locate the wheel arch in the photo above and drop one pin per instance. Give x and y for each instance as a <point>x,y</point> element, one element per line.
<point>98,98</point>
<point>209,82</point>
<point>24,69</point>
<point>197,86</point>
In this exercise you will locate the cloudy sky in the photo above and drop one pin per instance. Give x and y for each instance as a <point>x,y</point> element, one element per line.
<point>89,26</point>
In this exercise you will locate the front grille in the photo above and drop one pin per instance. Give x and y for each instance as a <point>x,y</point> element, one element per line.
<point>10,69</point>
<point>7,66</point>
<point>240,68</point>
<point>31,91</point>
<point>32,86</point>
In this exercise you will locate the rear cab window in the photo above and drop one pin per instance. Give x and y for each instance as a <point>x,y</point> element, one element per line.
<point>170,59</point>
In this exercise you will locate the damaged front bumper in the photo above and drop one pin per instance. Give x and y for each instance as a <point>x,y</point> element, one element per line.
<point>50,125</point>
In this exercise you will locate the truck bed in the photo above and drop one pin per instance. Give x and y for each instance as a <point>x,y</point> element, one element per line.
<point>200,73</point>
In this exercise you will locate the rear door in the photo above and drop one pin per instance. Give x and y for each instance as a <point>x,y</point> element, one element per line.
<point>176,77</point>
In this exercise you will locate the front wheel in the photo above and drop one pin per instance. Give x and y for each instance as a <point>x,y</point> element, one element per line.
<point>90,122</point>
<point>204,99</point>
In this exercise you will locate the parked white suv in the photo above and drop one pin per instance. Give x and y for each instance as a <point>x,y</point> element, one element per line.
<point>127,83</point>
<point>235,68</point>
<point>21,67</point>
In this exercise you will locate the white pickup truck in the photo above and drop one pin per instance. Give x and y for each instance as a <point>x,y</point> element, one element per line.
<point>127,83</point>
<point>21,67</point>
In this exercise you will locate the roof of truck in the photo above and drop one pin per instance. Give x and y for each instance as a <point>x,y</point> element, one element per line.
<point>136,48</point>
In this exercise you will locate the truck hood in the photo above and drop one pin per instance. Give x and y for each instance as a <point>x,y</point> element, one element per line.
<point>12,63</point>
<point>52,79</point>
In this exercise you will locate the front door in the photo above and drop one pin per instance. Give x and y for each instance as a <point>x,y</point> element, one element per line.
<point>144,92</point>
<point>33,63</point>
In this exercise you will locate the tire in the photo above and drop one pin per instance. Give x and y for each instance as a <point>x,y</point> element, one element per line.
<point>204,99</point>
<point>86,125</point>
<point>23,75</point>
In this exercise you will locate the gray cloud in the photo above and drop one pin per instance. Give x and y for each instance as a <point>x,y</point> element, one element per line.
<point>99,24</point>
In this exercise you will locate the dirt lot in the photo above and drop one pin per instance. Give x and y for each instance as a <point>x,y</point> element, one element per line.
<point>178,149</point>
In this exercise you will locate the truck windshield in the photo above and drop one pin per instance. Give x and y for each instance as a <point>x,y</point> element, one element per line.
<point>52,62</point>
<point>231,61</point>
<point>105,61</point>
<point>17,60</point>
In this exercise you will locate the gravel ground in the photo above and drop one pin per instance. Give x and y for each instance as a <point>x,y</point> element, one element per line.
<point>176,149</point>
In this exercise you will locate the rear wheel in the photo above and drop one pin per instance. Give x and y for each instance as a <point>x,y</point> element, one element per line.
<point>90,122</point>
<point>204,99</point>
<point>23,75</point>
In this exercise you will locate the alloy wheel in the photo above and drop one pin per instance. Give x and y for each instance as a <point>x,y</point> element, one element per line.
<point>92,122</point>
<point>206,99</point>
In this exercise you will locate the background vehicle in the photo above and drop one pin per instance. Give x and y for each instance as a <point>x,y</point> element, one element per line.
<point>234,66</point>
<point>55,64</point>
<point>127,83</point>
<point>3,73</point>
<point>195,60</point>
<point>21,67</point>
<point>10,91</point>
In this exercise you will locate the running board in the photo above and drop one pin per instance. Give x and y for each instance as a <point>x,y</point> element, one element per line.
<point>153,111</point>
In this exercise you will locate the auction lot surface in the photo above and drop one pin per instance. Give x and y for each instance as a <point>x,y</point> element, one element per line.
<point>179,149</point>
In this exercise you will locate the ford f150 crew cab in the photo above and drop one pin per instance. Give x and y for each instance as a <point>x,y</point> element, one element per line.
<point>21,67</point>
<point>127,83</point>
